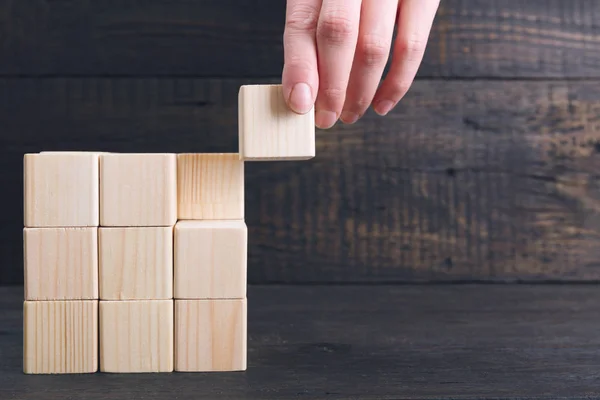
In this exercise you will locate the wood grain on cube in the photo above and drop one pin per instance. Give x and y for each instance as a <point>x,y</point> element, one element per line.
<point>136,336</point>
<point>269,130</point>
<point>210,259</point>
<point>138,189</point>
<point>210,186</point>
<point>60,337</point>
<point>61,189</point>
<point>60,263</point>
<point>210,335</point>
<point>135,263</point>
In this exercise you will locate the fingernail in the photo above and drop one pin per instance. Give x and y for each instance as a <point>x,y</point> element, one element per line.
<point>349,117</point>
<point>301,98</point>
<point>384,107</point>
<point>325,119</point>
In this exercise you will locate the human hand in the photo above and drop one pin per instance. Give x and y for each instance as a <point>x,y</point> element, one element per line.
<point>335,52</point>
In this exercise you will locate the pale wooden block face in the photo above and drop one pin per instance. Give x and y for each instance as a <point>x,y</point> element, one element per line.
<point>211,335</point>
<point>61,189</point>
<point>210,186</point>
<point>60,337</point>
<point>136,336</point>
<point>269,130</point>
<point>61,263</point>
<point>138,189</point>
<point>136,263</point>
<point>210,259</point>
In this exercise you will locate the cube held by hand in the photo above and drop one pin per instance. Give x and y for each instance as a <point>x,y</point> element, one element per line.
<point>269,130</point>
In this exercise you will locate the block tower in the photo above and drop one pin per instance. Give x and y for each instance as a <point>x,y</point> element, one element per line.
<point>137,263</point>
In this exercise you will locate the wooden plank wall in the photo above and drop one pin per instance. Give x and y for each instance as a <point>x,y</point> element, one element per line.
<point>488,170</point>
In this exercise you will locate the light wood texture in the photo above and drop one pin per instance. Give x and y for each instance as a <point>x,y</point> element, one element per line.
<point>211,335</point>
<point>60,263</point>
<point>136,263</point>
<point>60,337</point>
<point>269,130</point>
<point>210,259</point>
<point>138,189</point>
<point>61,189</point>
<point>210,186</point>
<point>136,336</point>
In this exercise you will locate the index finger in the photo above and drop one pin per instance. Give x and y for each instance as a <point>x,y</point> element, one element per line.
<point>300,78</point>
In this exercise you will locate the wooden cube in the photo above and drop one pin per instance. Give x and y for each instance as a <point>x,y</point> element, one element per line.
<point>210,259</point>
<point>269,130</point>
<point>60,263</point>
<point>210,335</point>
<point>136,336</point>
<point>61,189</point>
<point>60,337</point>
<point>210,186</point>
<point>136,263</point>
<point>138,189</point>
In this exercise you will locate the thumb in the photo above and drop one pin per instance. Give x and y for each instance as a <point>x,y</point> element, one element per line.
<point>300,82</point>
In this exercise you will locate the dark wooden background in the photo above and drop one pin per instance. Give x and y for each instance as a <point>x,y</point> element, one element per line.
<point>488,170</point>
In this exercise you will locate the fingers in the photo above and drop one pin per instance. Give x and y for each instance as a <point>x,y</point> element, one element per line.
<point>415,19</point>
<point>337,32</point>
<point>300,78</point>
<point>335,52</point>
<point>372,52</point>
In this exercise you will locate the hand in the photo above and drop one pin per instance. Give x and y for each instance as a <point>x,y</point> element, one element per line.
<point>336,51</point>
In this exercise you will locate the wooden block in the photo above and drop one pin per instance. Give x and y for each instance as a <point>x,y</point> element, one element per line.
<point>61,189</point>
<point>60,337</point>
<point>136,336</point>
<point>210,335</point>
<point>210,259</point>
<point>210,186</point>
<point>136,263</point>
<point>138,189</point>
<point>60,263</point>
<point>269,130</point>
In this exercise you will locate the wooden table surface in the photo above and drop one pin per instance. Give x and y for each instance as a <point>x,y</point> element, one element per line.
<point>368,342</point>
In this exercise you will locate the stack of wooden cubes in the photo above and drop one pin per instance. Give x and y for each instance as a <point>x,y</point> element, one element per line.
<point>211,242</point>
<point>142,258</point>
<point>138,210</point>
<point>61,216</point>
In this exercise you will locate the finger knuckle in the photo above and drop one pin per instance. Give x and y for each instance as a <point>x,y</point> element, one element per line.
<point>362,103</point>
<point>335,28</point>
<point>333,94</point>
<point>411,47</point>
<point>398,89</point>
<point>300,64</point>
<point>302,18</point>
<point>359,105</point>
<point>373,50</point>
